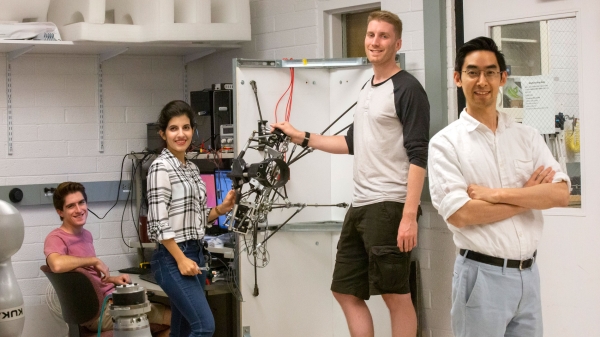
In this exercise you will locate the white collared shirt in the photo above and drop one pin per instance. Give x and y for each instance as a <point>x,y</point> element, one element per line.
<point>468,152</point>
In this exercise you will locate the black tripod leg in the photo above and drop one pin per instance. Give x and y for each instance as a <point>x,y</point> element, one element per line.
<point>255,248</point>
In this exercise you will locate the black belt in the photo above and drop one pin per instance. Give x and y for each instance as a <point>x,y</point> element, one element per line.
<point>499,262</point>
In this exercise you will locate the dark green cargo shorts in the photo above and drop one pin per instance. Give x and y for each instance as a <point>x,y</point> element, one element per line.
<point>368,260</point>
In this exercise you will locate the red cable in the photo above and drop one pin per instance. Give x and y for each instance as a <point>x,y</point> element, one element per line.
<point>277,105</point>
<point>290,97</point>
<point>290,88</point>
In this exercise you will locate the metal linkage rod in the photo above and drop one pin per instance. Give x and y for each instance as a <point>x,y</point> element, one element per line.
<point>253,85</point>
<point>308,149</point>
<point>344,129</point>
<point>337,119</point>
<point>298,157</point>
<point>280,226</point>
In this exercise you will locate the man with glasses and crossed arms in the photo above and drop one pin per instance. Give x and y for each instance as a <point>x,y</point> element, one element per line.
<point>489,178</point>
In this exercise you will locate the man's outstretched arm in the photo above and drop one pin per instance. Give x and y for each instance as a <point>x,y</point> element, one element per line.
<point>331,144</point>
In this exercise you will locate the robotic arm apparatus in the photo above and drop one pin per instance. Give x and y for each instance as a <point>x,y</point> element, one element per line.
<point>260,187</point>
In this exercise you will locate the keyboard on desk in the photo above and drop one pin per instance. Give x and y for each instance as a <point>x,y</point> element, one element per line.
<point>148,277</point>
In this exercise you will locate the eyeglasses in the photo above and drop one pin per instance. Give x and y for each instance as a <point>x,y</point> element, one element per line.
<point>489,74</point>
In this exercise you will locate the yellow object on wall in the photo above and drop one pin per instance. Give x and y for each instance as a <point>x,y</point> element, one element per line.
<point>572,139</point>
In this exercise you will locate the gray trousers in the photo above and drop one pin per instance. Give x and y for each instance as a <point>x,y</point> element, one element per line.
<point>490,301</point>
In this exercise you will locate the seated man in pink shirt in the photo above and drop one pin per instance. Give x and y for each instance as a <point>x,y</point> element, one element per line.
<point>71,246</point>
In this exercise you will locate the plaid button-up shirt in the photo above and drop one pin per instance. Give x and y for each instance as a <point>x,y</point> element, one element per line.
<point>176,200</point>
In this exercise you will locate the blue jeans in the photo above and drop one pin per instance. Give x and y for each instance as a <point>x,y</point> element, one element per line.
<point>190,314</point>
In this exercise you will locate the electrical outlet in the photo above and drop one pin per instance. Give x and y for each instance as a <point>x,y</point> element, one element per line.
<point>133,244</point>
<point>125,187</point>
<point>246,331</point>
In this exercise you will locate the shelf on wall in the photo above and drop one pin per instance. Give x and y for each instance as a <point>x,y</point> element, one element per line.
<point>94,48</point>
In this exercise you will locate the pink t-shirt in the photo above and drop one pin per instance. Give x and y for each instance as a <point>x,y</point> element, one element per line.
<point>79,245</point>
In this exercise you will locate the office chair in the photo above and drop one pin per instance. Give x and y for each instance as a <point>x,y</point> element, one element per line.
<point>81,300</point>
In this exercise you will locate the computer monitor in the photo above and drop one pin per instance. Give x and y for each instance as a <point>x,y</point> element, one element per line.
<point>211,191</point>
<point>223,184</point>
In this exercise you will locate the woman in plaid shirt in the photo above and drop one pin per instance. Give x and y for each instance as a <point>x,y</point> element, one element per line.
<point>177,216</point>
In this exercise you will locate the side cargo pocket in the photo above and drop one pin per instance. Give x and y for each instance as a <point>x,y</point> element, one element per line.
<point>389,268</point>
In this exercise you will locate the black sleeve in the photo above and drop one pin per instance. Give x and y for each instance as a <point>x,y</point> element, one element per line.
<point>350,139</point>
<point>412,107</point>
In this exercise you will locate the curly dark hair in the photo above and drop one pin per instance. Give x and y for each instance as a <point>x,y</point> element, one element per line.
<point>64,189</point>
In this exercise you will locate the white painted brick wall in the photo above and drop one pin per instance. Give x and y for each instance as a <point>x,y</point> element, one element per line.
<point>55,118</point>
<point>435,252</point>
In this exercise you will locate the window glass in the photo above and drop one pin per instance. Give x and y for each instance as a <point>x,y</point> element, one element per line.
<point>542,89</point>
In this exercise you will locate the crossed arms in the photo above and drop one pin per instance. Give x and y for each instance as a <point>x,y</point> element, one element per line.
<point>488,205</point>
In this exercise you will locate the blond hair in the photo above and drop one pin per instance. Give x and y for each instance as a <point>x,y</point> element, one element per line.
<point>390,18</point>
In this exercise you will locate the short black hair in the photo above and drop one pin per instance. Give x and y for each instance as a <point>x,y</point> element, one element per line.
<point>175,109</point>
<point>64,189</point>
<point>478,43</point>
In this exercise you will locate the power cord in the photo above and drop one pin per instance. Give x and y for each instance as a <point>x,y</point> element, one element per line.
<point>102,313</point>
<point>118,190</point>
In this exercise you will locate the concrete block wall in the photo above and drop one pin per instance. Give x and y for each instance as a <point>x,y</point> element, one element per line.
<point>435,252</point>
<point>413,43</point>
<point>280,29</point>
<point>55,134</point>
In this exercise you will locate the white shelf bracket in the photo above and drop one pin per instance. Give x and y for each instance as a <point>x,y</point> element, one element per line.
<point>16,53</point>
<point>193,57</point>
<point>110,54</point>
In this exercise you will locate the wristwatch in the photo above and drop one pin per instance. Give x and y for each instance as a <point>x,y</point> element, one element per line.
<point>306,138</point>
